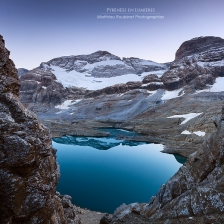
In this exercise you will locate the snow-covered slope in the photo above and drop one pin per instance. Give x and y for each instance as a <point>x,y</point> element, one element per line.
<point>101,69</point>
<point>83,80</point>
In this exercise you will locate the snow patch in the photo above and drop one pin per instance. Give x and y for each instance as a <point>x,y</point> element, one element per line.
<point>59,112</point>
<point>187,117</point>
<point>151,92</point>
<point>171,94</point>
<point>65,105</point>
<point>199,133</point>
<point>186,132</point>
<point>218,86</point>
<point>153,83</point>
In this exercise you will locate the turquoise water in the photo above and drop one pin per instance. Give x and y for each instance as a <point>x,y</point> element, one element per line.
<point>102,173</point>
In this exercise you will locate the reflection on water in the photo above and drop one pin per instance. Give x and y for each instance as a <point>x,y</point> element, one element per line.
<point>101,143</point>
<point>120,172</point>
<point>104,143</point>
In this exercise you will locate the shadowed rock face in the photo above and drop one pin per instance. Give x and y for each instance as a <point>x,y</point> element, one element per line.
<point>198,63</point>
<point>141,65</point>
<point>41,87</point>
<point>28,169</point>
<point>198,45</point>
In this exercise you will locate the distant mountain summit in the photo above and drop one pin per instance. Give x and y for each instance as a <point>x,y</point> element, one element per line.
<point>103,64</point>
<point>76,76</point>
<point>22,71</point>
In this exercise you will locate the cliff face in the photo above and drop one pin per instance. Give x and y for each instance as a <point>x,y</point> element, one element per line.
<point>40,87</point>
<point>197,188</point>
<point>28,169</point>
<point>197,64</point>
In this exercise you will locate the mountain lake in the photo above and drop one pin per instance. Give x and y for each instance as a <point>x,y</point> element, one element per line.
<point>101,173</point>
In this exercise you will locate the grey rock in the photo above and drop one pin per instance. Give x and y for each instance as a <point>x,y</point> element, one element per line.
<point>195,192</point>
<point>22,71</point>
<point>141,65</point>
<point>105,69</point>
<point>41,87</point>
<point>197,64</point>
<point>29,172</point>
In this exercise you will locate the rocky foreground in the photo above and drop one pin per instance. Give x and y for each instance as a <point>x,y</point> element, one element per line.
<point>29,172</point>
<point>193,195</point>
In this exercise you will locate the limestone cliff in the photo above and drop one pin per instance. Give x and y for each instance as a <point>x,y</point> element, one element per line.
<point>28,169</point>
<point>197,64</point>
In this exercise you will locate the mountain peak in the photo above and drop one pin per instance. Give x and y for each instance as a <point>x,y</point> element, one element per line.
<point>198,45</point>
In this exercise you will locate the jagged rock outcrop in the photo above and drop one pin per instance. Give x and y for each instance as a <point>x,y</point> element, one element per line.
<point>194,193</point>
<point>116,89</point>
<point>198,45</point>
<point>39,86</point>
<point>197,64</point>
<point>28,169</point>
<point>152,82</point>
<point>141,65</point>
<point>151,78</point>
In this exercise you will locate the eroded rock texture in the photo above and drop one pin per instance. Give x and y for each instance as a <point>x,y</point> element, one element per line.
<point>103,64</point>
<point>198,63</point>
<point>28,169</point>
<point>195,194</point>
<point>41,87</point>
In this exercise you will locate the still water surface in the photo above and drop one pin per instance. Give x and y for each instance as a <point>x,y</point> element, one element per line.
<point>102,173</point>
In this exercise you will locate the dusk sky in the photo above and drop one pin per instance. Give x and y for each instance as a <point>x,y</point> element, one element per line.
<point>36,31</point>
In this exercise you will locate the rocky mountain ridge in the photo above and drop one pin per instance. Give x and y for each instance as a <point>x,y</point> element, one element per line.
<point>104,64</point>
<point>192,71</point>
<point>197,64</point>
<point>46,86</point>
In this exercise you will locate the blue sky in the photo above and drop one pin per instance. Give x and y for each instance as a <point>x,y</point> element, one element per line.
<point>39,30</point>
